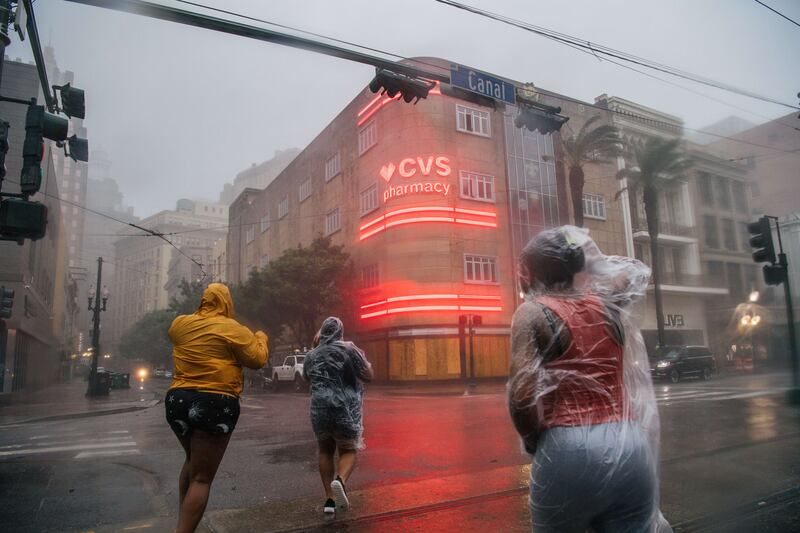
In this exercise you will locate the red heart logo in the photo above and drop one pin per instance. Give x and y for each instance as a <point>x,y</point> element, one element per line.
<point>387,171</point>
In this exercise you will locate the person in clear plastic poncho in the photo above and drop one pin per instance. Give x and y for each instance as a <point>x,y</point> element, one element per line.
<point>580,393</point>
<point>336,370</point>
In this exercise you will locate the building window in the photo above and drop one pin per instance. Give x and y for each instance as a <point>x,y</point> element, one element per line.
<point>250,235</point>
<point>369,199</point>
<point>704,185</point>
<point>594,206</point>
<point>744,236</point>
<point>305,189</point>
<point>333,166</point>
<point>735,285</point>
<point>265,222</point>
<point>477,186</point>
<point>370,276</point>
<point>367,137</point>
<point>737,188</point>
<point>710,231</point>
<point>480,269</point>
<point>723,192</point>
<point>333,221</point>
<point>264,260</point>
<point>729,234</point>
<point>283,207</point>
<point>472,121</point>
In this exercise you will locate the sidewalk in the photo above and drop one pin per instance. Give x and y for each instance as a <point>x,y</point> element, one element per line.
<point>68,400</point>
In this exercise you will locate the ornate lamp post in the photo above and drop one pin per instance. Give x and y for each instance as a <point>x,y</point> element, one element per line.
<point>96,388</point>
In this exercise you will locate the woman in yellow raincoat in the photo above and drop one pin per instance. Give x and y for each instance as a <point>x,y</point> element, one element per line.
<point>202,404</point>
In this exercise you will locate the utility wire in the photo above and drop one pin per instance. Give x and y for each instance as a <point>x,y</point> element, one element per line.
<point>777,12</point>
<point>590,51</point>
<point>131,224</point>
<point>607,51</point>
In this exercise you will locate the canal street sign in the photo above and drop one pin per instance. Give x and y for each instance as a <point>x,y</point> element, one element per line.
<point>479,82</point>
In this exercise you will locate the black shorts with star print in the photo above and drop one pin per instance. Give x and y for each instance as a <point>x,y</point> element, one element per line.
<point>189,409</point>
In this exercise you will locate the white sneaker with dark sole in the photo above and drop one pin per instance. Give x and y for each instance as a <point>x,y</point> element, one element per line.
<point>329,507</point>
<point>340,494</point>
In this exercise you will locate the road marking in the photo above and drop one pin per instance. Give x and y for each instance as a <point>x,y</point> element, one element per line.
<point>30,451</point>
<point>107,453</point>
<point>113,432</point>
<point>93,441</point>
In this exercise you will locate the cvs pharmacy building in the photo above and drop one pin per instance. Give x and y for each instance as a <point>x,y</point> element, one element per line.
<point>433,203</point>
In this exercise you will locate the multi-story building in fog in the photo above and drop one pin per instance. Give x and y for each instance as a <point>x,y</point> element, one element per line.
<point>32,351</point>
<point>102,196</point>
<point>771,153</point>
<point>257,176</point>
<point>433,202</point>
<point>686,289</point>
<point>143,261</point>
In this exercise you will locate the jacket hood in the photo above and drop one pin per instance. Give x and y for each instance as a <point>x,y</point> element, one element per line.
<point>216,301</point>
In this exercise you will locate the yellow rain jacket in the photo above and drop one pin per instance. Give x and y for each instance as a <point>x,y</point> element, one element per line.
<point>210,347</point>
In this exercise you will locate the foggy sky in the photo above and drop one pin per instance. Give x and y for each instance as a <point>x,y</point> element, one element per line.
<point>181,110</point>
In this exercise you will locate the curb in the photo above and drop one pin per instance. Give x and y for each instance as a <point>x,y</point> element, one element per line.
<point>86,414</point>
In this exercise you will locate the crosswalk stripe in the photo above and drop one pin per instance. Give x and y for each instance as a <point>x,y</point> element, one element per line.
<point>93,441</point>
<point>676,396</point>
<point>65,434</point>
<point>29,451</point>
<point>106,453</point>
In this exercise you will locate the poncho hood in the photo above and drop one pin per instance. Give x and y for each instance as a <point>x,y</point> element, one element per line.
<point>216,301</point>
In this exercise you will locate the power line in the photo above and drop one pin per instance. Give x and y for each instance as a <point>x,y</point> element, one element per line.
<point>777,12</point>
<point>131,224</point>
<point>607,51</point>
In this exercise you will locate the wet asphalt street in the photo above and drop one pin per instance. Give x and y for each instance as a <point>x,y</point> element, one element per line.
<point>436,460</point>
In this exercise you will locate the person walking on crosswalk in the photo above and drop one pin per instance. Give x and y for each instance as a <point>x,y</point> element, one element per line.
<point>202,404</point>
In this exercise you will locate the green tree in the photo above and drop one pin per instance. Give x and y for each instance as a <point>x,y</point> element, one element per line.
<point>147,339</point>
<point>297,290</point>
<point>657,164</point>
<point>591,143</point>
<point>189,299</point>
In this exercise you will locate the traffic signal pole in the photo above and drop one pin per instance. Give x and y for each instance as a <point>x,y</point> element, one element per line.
<point>787,291</point>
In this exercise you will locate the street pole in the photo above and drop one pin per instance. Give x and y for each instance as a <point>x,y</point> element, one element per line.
<point>794,394</point>
<point>5,40</point>
<point>93,389</point>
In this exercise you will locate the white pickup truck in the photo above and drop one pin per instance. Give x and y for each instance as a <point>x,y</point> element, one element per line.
<point>291,371</point>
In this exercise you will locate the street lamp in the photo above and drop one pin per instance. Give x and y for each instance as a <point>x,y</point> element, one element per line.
<point>95,387</point>
<point>753,297</point>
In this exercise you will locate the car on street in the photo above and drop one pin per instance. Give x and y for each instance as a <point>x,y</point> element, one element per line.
<point>677,362</point>
<point>291,371</point>
<point>160,373</point>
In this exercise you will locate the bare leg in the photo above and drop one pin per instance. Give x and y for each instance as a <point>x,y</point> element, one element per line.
<point>327,448</point>
<point>347,462</point>
<point>183,478</point>
<point>206,454</point>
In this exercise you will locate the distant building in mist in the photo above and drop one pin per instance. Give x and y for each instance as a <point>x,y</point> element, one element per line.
<point>35,341</point>
<point>258,176</point>
<point>103,196</point>
<point>724,128</point>
<point>149,270</point>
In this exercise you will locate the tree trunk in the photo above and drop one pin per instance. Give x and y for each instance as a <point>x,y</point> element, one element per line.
<point>650,197</point>
<point>576,181</point>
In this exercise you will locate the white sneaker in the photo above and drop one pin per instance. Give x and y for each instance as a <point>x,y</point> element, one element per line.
<point>340,494</point>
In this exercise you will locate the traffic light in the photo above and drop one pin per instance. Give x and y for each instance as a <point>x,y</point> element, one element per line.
<point>392,83</point>
<point>761,240</point>
<point>40,125</point>
<point>6,302</point>
<point>73,101</point>
<point>541,118</point>
<point>774,274</point>
<point>22,219</point>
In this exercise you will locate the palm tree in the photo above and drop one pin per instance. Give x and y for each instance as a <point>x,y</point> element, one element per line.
<point>591,144</point>
<point>658,163</point>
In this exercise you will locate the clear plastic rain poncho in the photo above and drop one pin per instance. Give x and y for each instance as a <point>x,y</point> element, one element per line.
<point>336,370</point>
<point>580,392</point>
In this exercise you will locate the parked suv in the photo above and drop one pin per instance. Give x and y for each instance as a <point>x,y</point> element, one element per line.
<point>677,362</point>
